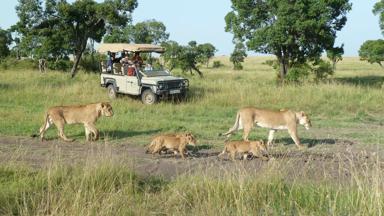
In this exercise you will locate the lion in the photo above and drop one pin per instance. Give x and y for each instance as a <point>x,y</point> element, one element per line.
<point>175,142</point>
<point>85,114</point>
<point>273,120</point>
<point>257,148</point>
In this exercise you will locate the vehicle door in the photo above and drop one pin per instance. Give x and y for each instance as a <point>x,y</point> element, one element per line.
<point>132,83</point>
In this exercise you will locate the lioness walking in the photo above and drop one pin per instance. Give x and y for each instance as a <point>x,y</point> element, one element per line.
<point>273,120</point>
<point>85,114</point>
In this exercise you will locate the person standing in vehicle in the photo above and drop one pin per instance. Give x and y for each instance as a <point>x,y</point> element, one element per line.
<point>137,60</point>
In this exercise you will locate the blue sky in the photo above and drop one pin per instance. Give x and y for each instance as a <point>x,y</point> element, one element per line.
<point>203,21</point>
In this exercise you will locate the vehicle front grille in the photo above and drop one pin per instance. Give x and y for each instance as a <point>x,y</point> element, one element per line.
<point>173,84</point>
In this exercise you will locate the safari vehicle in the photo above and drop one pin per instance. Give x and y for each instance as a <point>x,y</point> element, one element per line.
<point>151,82</point>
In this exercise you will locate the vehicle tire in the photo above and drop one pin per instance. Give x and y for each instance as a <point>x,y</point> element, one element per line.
<point>112,91</point>
<point>148,97</point>
<point>182,96</point>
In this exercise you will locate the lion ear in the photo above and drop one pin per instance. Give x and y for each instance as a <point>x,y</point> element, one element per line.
<point>262,142</point>
<point>302,113</point>
<point>102,105</point>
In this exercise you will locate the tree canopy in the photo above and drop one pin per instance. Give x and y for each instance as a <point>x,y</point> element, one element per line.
<point>335,54</point>
<point>187,57</point>
<point>150,31</point>
<point>372,51</point>
<point>207,51</point>
<point>295,31</point>
<point>238,55</point>
<point>5,41</point>
<point>62,28</point>
<point>378,9</point>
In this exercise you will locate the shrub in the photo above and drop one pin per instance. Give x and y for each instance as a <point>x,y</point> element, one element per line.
<point>60,64</point>
<point>217,64</point>
<point>322,70</point>
<point>13,63</point>
<point>298,73</point>
<point>90,63</point>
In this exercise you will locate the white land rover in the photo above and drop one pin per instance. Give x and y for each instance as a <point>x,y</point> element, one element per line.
<point>137,78</point>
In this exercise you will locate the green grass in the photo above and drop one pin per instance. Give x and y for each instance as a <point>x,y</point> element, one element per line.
<point>354,96</point>
<point>106,188</point>
<point>350,106</point>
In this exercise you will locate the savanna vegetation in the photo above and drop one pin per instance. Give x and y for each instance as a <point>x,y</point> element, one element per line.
<point>339,173</point>
<point>345,107</point>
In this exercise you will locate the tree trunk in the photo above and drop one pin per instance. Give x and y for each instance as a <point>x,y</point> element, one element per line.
<point>79,53</point>
<point>76,64</point>
<point>283,69</point>
<point>198,71</point>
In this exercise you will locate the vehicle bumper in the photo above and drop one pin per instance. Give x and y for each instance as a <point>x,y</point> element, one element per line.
<point>169,92</point>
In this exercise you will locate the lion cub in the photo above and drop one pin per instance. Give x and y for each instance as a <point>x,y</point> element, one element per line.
<point>175,142</point>
<point>257,148</point>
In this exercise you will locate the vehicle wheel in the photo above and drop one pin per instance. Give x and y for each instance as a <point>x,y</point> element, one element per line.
<point>112,92</point>
<point>148,97</point>
<point>182,96</point>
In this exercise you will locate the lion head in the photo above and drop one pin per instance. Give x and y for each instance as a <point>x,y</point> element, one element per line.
<point>190,139</point>
<point>304,120</point>
<point>106,109</point>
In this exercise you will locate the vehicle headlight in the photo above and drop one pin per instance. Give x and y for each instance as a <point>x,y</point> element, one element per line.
<point>161,85</point>
<point>185,83</point>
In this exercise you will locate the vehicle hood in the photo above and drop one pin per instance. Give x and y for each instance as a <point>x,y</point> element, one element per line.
<point>154,80</point>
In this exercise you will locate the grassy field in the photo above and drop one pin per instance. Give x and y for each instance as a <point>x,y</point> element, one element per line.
<point>353,99</point>
<point>348,107</point>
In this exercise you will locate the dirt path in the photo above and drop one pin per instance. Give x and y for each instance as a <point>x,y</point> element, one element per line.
<point>333,160</point>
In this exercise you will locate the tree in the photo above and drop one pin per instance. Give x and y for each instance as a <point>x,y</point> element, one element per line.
<point>70,26</point>
<point>172,51</point>
<point>378,8</point>
<point>335,54</point>
<point>30,12</point>
<point>5,41</point>
<point>207,51</point>
<point>150,31</point>
<point>238,55</point>
<point>189,57</point>
<point>295,31</point>
<point>186,58</point>
<point>372,51</point>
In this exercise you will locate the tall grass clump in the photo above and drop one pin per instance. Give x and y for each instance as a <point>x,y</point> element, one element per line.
<point>110,188</point>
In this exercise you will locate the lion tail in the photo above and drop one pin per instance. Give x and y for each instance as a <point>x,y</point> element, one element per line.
<point>223,152</point>
<point>235,127</point>
<point>42,127</point>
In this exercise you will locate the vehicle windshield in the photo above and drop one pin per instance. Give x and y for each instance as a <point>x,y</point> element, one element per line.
<point>154,69</point>
<point>154,72</point>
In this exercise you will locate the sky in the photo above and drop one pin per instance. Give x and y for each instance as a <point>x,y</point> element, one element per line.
<point>203,21</point>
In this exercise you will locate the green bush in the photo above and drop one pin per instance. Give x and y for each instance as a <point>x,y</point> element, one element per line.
<point>322,70</point>
<point>90,63</point>
<point>60,65</point>
<point>15,64</point>
<point>217,64</point>
<point>298,73</point>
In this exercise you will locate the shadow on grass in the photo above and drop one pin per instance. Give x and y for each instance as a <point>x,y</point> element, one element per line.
<point>120,134</point>
<point>5,86</point>
<point>192,152</point>
<point>313,142</point>
<point>367,81</point>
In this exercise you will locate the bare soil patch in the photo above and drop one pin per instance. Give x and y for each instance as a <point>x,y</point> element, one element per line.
<point>314,163</point>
